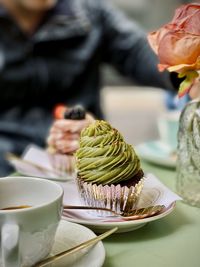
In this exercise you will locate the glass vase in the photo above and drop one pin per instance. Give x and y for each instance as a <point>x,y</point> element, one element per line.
<point>188,154</point>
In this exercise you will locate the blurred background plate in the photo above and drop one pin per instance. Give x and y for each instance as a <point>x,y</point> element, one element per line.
<point>157,152</point>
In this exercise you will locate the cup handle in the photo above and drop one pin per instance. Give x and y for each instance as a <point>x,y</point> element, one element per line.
<point>10,245</point>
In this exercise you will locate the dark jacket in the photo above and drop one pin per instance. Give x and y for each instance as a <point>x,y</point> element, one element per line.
<point>60,63</point>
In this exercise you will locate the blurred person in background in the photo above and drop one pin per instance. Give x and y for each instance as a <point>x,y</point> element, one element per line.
<point>51,52</point>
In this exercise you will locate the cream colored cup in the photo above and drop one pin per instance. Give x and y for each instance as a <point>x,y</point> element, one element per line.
<point>27,235</point>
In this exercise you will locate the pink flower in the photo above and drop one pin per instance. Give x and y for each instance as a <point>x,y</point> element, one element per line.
<point>177,44</point>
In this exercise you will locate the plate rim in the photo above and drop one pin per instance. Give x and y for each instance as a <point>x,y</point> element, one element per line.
<point>122,224</point>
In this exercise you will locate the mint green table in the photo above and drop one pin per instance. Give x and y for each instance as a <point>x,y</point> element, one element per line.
<point>173,241</point>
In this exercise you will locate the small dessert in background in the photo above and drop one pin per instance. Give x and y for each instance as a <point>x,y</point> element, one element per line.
<point>61,156</point>
<point>109,173</point>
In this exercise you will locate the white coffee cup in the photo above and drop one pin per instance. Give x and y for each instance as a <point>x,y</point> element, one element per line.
<point>27,234</point>
<point>168,124</point>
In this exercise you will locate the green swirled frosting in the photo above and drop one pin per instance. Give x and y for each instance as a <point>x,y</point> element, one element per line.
<point>104,157</point>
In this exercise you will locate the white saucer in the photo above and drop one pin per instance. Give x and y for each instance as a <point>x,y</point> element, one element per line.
<point>157,152</point>
<point>154,193</point>
<point>69,235</point>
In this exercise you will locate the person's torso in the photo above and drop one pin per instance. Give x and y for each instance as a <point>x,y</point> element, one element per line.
<point>58,64</point>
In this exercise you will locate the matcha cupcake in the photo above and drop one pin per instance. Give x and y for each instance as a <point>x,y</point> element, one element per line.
<point>109,174</point>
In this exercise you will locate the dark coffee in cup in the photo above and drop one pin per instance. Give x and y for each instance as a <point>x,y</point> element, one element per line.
<point>17,207</point>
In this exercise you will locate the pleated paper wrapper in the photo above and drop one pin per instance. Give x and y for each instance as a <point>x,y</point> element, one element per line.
<point>116,197</point>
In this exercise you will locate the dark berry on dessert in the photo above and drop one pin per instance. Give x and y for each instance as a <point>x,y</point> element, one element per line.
<point>75,113</point>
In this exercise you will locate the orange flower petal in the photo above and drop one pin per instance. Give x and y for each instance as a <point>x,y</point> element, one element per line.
<point>177,43</point>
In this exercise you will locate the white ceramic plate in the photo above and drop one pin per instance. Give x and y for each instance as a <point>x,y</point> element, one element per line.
<point>123,226</point>
<point>157,152</point>
<point>154,193</point>
<point>69,235</point>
